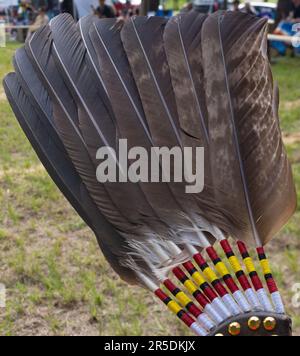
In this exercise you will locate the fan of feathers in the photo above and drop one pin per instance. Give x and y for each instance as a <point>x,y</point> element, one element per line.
<point>190,81</point>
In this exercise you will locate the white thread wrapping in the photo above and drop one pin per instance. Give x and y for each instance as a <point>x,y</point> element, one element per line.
<point>221,308</point>
<point>278,304</point>
<point>231,304</point>
<point>214,315</point>
<point>198,330</point>
<point>253,299</point>
<point>204,320</point>
<point>242,301</point>
<point>265,301</point>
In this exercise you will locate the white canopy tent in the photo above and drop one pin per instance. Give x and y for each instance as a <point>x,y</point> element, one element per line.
<point>6,3</point>
<point>83,7</point>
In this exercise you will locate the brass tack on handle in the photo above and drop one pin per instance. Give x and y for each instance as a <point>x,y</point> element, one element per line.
<point>254,323</point>
<point>234,329</point>
<point>270,324</point>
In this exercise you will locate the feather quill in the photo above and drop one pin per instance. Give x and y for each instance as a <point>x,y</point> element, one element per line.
<point>143,42</point>
<point>84,26</point>
<point>182,42</point>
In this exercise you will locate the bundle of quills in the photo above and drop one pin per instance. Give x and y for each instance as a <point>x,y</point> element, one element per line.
<point>206,298</point>
<point>190,81</point>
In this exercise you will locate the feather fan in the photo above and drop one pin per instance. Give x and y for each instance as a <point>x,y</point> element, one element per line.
<point>191,81</point>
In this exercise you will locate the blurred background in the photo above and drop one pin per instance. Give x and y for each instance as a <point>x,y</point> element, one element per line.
<point>57,282</point>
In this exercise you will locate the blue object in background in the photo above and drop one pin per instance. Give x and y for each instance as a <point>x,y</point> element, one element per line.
<point>164,13</point>
<point>286,28</point>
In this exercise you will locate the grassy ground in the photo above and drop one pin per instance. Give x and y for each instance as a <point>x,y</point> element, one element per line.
<point>58,283</point>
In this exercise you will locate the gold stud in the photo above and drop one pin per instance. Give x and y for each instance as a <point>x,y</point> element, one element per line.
<point>234,329</point>
<point>270,324</point>
<point>219,335</point>
<point>254,323</point>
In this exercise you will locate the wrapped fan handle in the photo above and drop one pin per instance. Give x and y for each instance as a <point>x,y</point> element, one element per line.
<point>255,324</point>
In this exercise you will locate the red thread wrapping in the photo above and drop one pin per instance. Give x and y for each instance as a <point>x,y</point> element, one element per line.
<point>231,285</point>
<point>257,283</point>
<point>226,246</point>
<point>242,247</point>
<point>169,284</point>
<point>199,259</point>
<point>212,253</point>
<point>272,285</point>
<point>244,282</point>
<point>161,295</point>
<point>187,319</point>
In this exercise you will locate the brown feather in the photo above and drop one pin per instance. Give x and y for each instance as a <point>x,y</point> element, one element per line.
<point>248,158</point>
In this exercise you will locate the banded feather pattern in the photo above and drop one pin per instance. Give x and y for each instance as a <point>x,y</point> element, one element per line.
<point>188,82</point>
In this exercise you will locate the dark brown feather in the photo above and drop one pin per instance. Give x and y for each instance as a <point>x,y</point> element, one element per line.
<point>182,42</point>
<point>128,110</point>
<point>247,154</point>
<point>65,114</point>
<point>43,137</point>
<point>97,122</point>
<point>143,42</point>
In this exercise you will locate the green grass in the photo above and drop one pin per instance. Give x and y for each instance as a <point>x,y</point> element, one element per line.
<point>58,282</point>
<point>287,74</point>
<point>175,4</point>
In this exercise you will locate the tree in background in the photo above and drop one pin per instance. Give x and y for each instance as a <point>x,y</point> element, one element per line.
<point>176,4</point>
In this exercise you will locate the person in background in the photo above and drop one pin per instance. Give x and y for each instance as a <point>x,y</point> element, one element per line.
<point>118,7</point>
<point>41,20</point>
<point>296,10</point>
<point>249,9</point>
<point>236,5</point>
<point>53,8</point>
<point>24,13</point>
<point>104,10</point>
<point>128,9</point>
<point>216,6</point>
<point>284,8</point>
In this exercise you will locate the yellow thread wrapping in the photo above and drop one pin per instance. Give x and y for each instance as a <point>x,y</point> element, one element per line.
<point>265,267</point>
<point>235,264</point>
<point>198,278</point>
<point>210,274</point>
<point>222,269</point>
<point>183,299</point>
<point>190,286</point>
<point>249,265</point>
<point>174,307</point>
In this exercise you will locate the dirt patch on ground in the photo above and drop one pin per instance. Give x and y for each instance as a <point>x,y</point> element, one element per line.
<point>291,139</point>
<point>291,105</point>
<point>2,96</point>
